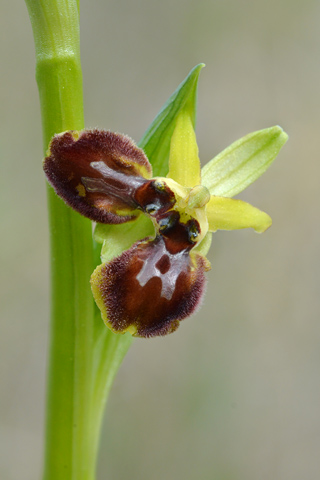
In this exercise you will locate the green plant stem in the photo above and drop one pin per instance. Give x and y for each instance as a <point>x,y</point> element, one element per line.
<point>58,73</point>
<point>78,370</point>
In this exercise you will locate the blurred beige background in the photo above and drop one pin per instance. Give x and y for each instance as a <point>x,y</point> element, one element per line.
<point>235,393</point>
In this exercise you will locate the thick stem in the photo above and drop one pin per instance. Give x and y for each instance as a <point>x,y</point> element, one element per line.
<point>70,431</point>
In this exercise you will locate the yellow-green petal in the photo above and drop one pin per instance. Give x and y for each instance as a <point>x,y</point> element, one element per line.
<point>243,162</point>
<point>184,163</point>
<point>232,214</point>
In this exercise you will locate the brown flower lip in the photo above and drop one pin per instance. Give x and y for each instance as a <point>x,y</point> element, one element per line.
<point>151,287</point>
<point>147,290</point>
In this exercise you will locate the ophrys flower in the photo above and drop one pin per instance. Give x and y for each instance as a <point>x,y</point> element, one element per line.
<point>160,279</point>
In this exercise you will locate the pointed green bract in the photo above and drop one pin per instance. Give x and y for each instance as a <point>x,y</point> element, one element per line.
<point>184,163</point>
<point>156,141</point>
<point>232,214</point>
<point>243,162</point>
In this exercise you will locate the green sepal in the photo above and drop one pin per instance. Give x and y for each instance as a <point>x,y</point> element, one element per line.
<point>243,162</point>
<point>116,239</point>
<point>156,140</point>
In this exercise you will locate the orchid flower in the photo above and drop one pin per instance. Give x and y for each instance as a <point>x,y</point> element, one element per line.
<point>159,279</point>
